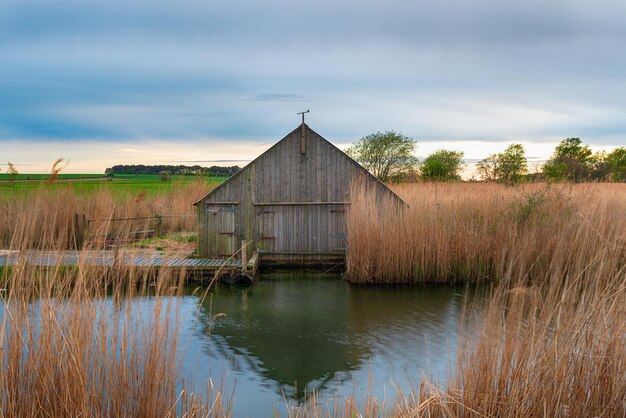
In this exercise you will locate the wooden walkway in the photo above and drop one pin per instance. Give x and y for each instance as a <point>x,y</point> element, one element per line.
<point>108,258</point>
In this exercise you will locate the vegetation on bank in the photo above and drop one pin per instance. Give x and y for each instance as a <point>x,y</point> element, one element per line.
<point>457,232</point>
<point>552,341</point>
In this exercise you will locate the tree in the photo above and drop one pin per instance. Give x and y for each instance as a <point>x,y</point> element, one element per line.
<point>442,165</point>
<point>388,155</point>
<point>488,169</point>
<point>571,160</point>
<point>12,171</point>
<point>513,164</point>
<point>164,176</point>
<point>617,163</point>
<point>600,167</point>
<point>508,166</point>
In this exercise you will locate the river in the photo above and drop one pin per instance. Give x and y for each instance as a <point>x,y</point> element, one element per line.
<point>299,331</point>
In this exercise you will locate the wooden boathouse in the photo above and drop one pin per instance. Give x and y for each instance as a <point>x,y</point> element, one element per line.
<point>289,204</point>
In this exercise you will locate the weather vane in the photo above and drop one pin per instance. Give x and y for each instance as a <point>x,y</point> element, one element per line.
<point>302,113</point>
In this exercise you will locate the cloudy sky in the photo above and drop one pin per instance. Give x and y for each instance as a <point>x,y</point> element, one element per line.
<point>155,81</point>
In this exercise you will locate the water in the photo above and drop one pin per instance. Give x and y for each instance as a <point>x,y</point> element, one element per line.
<point>298,331</point>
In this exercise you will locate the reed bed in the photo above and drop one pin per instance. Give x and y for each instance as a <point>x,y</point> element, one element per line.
<point>72,219</point>
<point>550,348</point>
<point>71,342</point>
<point>467,232</point>
<point>551,341</point>
<point>553,350</point>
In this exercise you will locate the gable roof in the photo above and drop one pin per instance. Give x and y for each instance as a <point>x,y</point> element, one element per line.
<point>309,130</point>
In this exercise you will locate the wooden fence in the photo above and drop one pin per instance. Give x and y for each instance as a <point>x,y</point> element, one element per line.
<point>114,231</point>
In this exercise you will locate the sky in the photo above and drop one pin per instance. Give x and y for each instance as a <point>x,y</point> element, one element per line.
<point>200,81</point>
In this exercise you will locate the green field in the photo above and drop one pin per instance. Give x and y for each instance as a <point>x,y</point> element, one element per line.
<point>86,183</point>
<point>5,176</point>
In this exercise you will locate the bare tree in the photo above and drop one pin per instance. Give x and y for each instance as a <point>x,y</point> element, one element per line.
<point>12,172</point>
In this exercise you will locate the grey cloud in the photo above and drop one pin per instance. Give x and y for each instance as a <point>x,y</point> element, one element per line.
<point>449,70</point>
<point>279,97</point>
<point>313,22</point>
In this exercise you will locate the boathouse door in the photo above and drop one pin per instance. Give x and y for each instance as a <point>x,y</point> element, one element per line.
<point>315,228</point>
<point>220,224</point>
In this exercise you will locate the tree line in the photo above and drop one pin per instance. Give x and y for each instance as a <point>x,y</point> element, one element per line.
<point>180,170</point>
<point>390,157</point>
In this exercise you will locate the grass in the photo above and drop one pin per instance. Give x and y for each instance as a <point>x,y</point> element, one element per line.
<point>120,184</point>
<point>44,177</point>
<point>180,244</point>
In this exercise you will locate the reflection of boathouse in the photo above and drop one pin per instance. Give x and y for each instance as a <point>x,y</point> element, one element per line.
<point>301,334</point>
<point>290,203</point>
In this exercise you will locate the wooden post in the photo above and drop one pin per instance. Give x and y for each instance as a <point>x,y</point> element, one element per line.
<point>117,261</point>
<point>159,225</point>
<point>302,134</point>
<point>244,256</point>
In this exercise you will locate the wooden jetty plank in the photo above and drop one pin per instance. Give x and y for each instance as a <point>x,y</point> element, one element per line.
<point>107,258</point>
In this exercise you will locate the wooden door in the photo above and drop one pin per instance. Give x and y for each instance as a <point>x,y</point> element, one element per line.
<point>266,235</point>
<point>337,230</point>
<point>220,224</point>
<point>301,228</point>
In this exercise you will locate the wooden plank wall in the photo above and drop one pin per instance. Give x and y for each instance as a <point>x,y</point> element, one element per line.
<point>288,202</point>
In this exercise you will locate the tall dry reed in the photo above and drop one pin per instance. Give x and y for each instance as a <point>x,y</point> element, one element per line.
<point>466,232</point>
<point>65,216</point>
<point>552,346</point>
<point>73,344</point>
<point>552,339</point>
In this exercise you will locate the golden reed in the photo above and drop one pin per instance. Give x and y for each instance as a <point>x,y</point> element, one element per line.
<point>459,232</point>
<point>551,341</point>
<point>70,343</point>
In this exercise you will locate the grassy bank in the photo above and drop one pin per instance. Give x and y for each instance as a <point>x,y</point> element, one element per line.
<point>85,184</point>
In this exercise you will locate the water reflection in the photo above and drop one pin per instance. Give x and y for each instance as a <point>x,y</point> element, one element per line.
<point>299,331</point>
